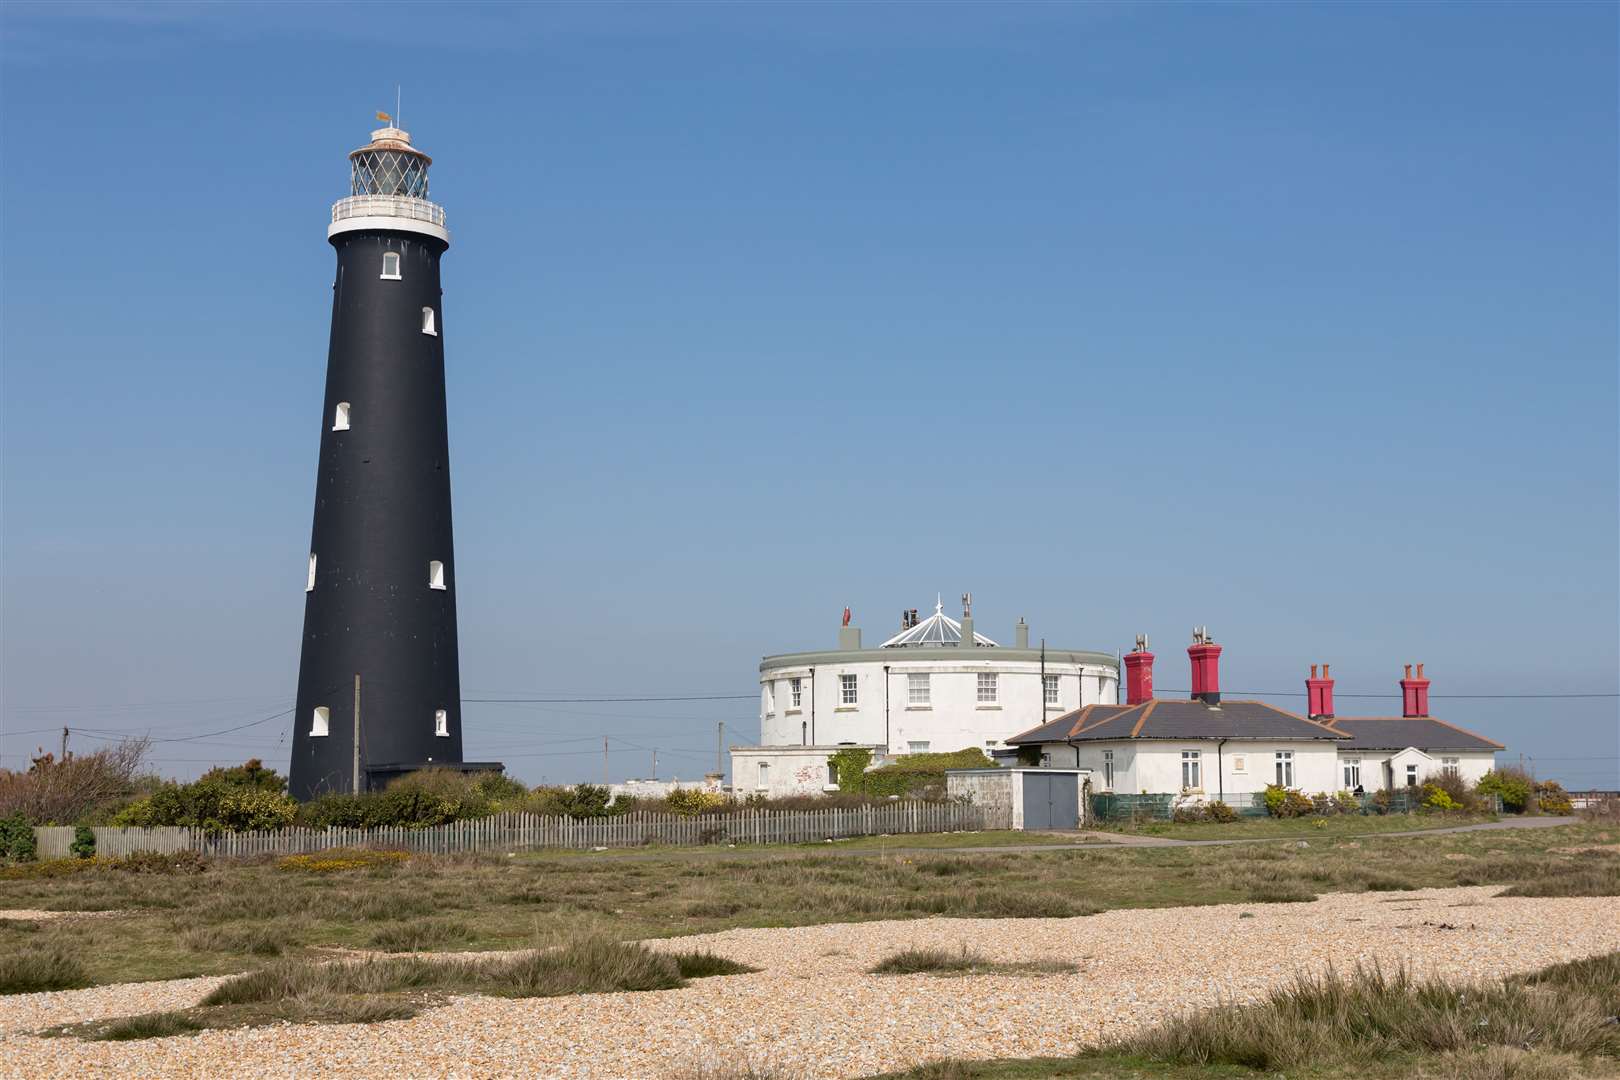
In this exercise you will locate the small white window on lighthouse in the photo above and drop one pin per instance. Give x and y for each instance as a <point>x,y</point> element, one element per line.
<point>391,265</point>
<point>427,322</point>
<point>441,723</point>
<point>435,574</point>
<point>321,722</point>
<point>309,583</point>
<point>340,417</point>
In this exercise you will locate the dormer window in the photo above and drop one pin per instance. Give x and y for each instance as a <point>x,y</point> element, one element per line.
<point>427,322</point>
<point>390,271</point>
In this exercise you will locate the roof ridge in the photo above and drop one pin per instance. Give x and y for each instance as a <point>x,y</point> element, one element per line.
<point>1152,703</point>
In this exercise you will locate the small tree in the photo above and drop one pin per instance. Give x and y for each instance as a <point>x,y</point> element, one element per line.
<point>1509,783</point>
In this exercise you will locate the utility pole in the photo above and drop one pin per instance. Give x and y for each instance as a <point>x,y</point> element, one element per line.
<point>606,780</point>
<point>720,748</point>
<point>1042,712</point>
<point>64,744</point>
<point>655,764</point>
<point>357,733</point>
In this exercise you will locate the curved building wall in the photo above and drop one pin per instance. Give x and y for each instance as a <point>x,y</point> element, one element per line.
<point>382,519</point>
<point>953,718</point>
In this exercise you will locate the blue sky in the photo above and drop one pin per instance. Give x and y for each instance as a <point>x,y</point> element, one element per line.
<point>1298,321</point>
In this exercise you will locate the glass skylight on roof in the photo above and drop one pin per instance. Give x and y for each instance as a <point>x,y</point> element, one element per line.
<point>939,630</point>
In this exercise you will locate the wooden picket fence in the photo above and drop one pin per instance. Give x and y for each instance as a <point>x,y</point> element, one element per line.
<point>520,832</point>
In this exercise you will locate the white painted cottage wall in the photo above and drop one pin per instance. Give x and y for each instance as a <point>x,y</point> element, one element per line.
<point>954,719</point>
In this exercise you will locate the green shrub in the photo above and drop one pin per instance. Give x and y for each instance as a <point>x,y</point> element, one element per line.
<point>1436,797</point>
<point>1512,785</point>
<point>17,843</point>
<point>579,801</point>
<point>84,842</point>
<point>692,801</point>
<point>1287,803</point>
<point>921,775</point>
<point>1219,812</point>
<point>247,796</point>
<point>849,765</point>
<point>1551,798</point>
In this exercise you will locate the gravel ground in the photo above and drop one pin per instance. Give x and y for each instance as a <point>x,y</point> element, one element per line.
<point>812,1011</point>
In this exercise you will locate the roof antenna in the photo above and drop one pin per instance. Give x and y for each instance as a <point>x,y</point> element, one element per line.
<point>399,121</point>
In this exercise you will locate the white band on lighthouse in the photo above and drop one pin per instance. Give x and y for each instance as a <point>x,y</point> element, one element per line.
<point>393,212</point>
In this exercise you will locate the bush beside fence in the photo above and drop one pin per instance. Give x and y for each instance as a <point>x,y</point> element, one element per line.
<point>1114,808</point>
<point>517,832</point>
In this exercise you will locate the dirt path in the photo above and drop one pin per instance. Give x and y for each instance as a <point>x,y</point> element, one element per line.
<point>813,1011</point>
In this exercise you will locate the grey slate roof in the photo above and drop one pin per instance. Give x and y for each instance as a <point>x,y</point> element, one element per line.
<point>1162,718</point>
<point>1399,732</point>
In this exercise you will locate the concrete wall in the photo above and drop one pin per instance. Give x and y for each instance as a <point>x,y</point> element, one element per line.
<point>1000,793</point>
<point>954,718</point>
<point>791,770</point>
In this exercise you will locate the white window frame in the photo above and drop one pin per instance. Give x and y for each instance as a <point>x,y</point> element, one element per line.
<point>1285,768</point>
<point>430,322</point>
<point>987,688</point>
<point>1450,764</point>
<point>919,691</point>
<point>762,780</point>
<point>770,699</point>
<point>309,582</point>
<point>436,575</point>
<point>1411,775</point>
<point>796,691</point>
<point>1239,763</point>
<point>1352,773</point>
<point>390,256</point>
<point>918,746</point>
<point>441,723</point>
<point>1108,770</point>
<point>1192,770</point>
<point>340,417</point>
<point>1049,689</point>
<point>849,690</point>
<point>320,722</point>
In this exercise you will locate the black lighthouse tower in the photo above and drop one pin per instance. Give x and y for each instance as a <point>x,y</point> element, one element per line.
<point>379,681</point>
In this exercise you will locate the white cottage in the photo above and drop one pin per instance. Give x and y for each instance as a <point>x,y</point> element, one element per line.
<point>1387,752</point>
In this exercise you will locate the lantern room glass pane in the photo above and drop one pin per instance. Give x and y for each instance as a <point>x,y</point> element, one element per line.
<point>389,172</point>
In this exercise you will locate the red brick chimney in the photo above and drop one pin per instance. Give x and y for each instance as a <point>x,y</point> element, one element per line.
<point>1414,693</point>
<point>1206,667</point>
<point>1319,693</point>
<point>1139,673</point>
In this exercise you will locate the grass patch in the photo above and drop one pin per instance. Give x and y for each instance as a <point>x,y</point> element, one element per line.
<point>1554,1024</point>
<point>392,988</point>
<point>1329,828</point>
<point>162,929</point>
<point>419,935</point>
<point>159,1025</point>
<point>703,965</point>
<point>961,962</point>
<point>1585,881</point>
<point>36,967</point>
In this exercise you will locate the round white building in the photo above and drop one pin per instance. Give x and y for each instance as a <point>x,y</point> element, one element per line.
<point>937,685</point>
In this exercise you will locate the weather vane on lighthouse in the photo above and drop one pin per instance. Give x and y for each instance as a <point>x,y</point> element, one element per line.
<point>379,680</point>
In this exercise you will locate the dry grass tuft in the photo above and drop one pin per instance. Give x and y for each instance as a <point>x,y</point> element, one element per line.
<point>34,968</point>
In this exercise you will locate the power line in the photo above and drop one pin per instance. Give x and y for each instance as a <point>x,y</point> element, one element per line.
<point>588,700</point>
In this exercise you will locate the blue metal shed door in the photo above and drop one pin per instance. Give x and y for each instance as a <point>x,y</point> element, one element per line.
<point>1051,801</point>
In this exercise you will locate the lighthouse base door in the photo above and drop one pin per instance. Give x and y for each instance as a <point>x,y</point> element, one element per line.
<point>1051,802</point>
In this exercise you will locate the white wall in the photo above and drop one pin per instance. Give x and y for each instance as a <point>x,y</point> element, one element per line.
<point>1377,765</point>
<point>794,770</point>
<point>954,718</point>
<point>1154,766</point>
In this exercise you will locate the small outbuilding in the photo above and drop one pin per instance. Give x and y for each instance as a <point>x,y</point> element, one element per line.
<point>1024,798</point>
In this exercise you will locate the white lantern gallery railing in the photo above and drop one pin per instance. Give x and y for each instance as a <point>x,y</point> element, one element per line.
<point>370,206</point>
